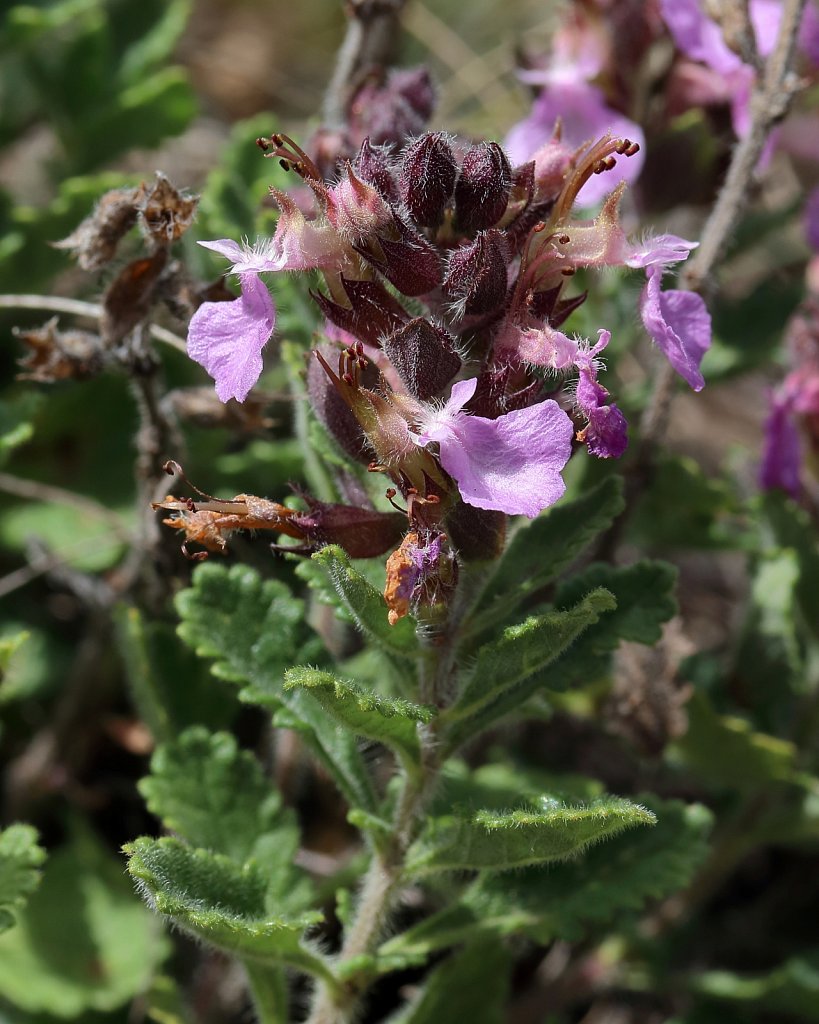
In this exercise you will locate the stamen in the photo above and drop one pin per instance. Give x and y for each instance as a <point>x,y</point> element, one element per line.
<point>292,156</point>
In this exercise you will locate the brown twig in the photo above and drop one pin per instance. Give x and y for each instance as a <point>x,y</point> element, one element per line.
<point>88,310</point>
<point>369,41</point>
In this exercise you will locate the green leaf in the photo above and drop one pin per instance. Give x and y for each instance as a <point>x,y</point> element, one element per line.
<point>576,897</point>
<point>251,627</point>
<point>497,683</point>
<point>84,942</point>
<point>213,898</point>
<point>684,508</point>
<point>541,550</point>
<point>727,753</point>
<point>254,631</point>
<point>214,795</point>
<point>388,720</point>
<point>365,604</point>
<point>472,985</point>
<point>20,857</point>
<point>500,842</point>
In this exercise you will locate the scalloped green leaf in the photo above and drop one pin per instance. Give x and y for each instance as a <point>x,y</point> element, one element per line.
<point>501,842</point>
<point>20,859</point>
<point>498,680</point>
<point>214,795</point>
<point>254,631</point>
<point>574,898</point>
<point>211,897</point>
<point>365,604</point>
<point>540,550</point>
<point>388,720</point>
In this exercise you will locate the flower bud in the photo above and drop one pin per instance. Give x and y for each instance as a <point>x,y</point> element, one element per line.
<point>427,178</point>
<point>406,259</point>
<point>477,534</point>
<point>424,357</point>
<point>362,532</point>
<point>482,190</point>
<point>476,278</point>
<point>356,209</point>
<point>372,313</point>
<point>374,165</point>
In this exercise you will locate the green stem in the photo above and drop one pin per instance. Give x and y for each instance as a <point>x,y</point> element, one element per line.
<point>386,872</point>
<point>268,987</point>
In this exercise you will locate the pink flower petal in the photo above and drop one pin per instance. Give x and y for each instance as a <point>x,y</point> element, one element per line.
<point>511,464</point>
<point>227,338</point>
<point>680,324</point>
<point>246,259</point>
<point>585,117</point>
<point>659,250</point>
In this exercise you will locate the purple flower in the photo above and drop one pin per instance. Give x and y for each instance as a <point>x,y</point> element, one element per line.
<point>781,450</point>
<point>227,338</point>
<point>606,433</point>
<point>584,116</point>
<point>510,464</point>
<point>680,324</point>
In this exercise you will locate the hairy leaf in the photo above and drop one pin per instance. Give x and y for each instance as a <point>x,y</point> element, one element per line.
<point>364,603</point>
<point>253,629</point>
<point>215,796</point>
<point>499,842</point>
<point>540,550</point>
<point>388,720</point>
<point>472,985</point>
<point>643,592</point>
<point>214,899</point>
<point>497,682</point>
<point>575,897</point>
<point>20,858</point>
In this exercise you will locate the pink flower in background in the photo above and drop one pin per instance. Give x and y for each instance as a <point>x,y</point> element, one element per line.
<point>227,338</point>
<point>812,218</point>
<point>569,98</point>
<point>511,464</point>
<point>781,453</point>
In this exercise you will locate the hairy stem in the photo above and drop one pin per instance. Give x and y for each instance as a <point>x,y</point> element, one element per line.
<point>384,877</point>
<point>769,103</point>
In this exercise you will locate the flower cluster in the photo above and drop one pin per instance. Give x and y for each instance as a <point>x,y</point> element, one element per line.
<point>445,365</point>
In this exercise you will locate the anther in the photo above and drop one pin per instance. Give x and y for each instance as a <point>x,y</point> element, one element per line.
<point>564,239</point>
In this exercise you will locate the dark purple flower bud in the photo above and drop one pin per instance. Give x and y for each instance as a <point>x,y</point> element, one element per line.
<point>362,532</point>
<point>406,259</point>
<point>476,279</point>
<point>371,315</point>
<point>423,355</point>
<point>415,85</point>
<point>374,165</point>
<point>781,455</point>
<point>427,178</point>
<point>477,534</point>
<point>483,187</point>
